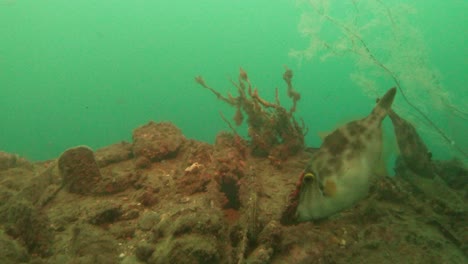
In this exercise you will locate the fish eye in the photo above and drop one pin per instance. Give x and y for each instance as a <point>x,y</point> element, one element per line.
<point>308,177</point>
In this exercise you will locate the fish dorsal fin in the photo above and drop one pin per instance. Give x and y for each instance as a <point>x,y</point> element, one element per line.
<point>323,134</point>
<point>387,100</point>
<point>383,106</point>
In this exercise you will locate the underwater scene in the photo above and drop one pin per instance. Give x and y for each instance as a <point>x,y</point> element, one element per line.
<point>286,131</point>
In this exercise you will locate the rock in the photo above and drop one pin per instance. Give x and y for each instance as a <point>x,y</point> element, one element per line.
<point>129,212</point>
<point>8,161</point>
<point>5,195</point>
<point>148,220</point>
<point>193,248</point>
<point>114,153</point>
<point>79,170</point>
<point>108,213</point>
<point>30,225</point>
<point>157,141</point>
<point>148,197</point>
<point>142,162</point>
<point>11,251</point>
<point>192,219</point>
<point>271,234</point>
<point>433,188</point>
<point>121,230</point>
<point>268,241</point>
<point>114,181</point>
<point>143,251</point>
<point>230,154</point>
<point>129,260</point>
<point>93,245</point>
<point>453,172</point>
<point>42,187</point>
<point>261,255</point>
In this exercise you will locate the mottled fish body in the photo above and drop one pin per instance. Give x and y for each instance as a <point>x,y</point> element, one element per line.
<point>413,151</point>
<point>340,172</point>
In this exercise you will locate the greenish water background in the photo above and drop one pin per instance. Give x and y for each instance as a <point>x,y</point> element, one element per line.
<point>88,72</point>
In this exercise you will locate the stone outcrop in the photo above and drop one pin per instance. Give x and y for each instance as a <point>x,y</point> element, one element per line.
<point>157,141</point>
<point>79,170</point>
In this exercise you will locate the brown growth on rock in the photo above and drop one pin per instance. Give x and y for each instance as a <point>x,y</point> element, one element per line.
<point>8,161</point>
<point>79,170</point>
<point>230,167</point>
<point>157,141</point>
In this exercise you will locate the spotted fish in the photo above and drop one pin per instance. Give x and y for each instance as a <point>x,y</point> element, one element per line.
<point>413,151</point>
<point>340,172</point>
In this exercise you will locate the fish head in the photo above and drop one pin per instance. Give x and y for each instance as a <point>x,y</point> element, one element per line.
<point>311,195</point>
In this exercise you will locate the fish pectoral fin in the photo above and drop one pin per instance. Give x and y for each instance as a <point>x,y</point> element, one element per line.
<point>329,188</point>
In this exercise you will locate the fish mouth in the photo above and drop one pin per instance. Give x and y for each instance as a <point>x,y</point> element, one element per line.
<point>310,183</point>
<point>309,193</point>
<point>310,196</point>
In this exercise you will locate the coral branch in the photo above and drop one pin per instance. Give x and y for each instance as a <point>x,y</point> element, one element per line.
<point>295,96</point>
<point>230,100</point>
<point>404,44</point>
<point>273,130</point>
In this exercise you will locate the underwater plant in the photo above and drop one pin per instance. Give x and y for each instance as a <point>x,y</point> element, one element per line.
<point>273,130</point>
<point>386,46</point>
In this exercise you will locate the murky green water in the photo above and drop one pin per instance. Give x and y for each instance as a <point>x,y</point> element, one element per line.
<point>88,72</point>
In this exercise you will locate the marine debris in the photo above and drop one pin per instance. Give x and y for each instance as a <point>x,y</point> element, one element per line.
<point>273,130</point>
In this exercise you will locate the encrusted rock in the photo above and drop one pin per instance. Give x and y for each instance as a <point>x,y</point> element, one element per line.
<point>157,141</point>
<point>261,255</point>
<point>114,153</point>
<point>79,170</point>
<point>143,251</point>
<point>454,173</point>
<point>142,162</point>
<point>192,219</point>
<point>11,251</point>
<point>114,181</point>
<point>271,234</point>
<point>8,161</point>
<point>148,220</point>
<point>192,248</point>
<point>148,197</point>
<point>107,213</point>
<point>29,225</point>
<point>92,245</point>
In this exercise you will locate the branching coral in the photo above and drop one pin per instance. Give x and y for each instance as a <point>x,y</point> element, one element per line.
<point>385,44</point>
<point>273,130</point>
